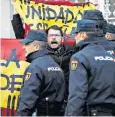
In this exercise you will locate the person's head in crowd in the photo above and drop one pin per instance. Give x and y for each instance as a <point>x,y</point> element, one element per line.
<point>97,16</point>
<point>110,32</point>
<point>35,40</point>
<point>86,29</point>
<point>54,36</point>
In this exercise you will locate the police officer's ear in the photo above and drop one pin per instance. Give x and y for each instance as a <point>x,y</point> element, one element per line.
<point>36,45</point>
<point>107,35</point>
<point>83,35</point>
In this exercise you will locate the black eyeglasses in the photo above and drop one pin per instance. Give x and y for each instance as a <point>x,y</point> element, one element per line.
<point>56,35</point>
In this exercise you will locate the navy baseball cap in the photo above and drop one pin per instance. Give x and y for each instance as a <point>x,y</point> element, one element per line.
<point>110,28</point>
<point>33,35</point>
<point>93,15</point>
<point>86,26</point>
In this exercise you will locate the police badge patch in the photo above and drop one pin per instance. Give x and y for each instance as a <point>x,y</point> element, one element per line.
<point>27,77</point>
<point>74,64</point>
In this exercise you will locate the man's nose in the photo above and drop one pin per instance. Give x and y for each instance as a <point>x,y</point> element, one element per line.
<point>53,36</point>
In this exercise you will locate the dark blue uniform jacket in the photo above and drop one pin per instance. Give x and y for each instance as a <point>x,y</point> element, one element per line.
<point>44,81</point>
<point>92,77</point>
<point>109,46</point>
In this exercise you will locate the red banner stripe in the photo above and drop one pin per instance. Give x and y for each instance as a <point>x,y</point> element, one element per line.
<point>8,44</point>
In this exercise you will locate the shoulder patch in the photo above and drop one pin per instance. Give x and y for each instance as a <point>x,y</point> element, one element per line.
<point>27,77</point>
<point>74,64</point>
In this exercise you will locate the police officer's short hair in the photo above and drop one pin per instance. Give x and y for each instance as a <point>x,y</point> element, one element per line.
<point>42,44</point>
<point>55,27</point>
<point>112,36</point>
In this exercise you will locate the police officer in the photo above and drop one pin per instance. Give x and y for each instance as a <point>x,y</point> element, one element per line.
<point>44,84</point>
<point>110,32</point>
<point>92,75</point>
<point>97,15</point>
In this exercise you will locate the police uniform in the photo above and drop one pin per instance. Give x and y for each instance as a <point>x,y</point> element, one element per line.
<point>92,79</point>
<point>44,85</point>
<point>97,16</point>
<point>109,46</point>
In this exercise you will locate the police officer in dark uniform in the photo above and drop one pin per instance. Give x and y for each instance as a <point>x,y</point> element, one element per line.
<point>110,32</point>
<point>97,16</point>
<point>44,84</point>
<point>92,75</point>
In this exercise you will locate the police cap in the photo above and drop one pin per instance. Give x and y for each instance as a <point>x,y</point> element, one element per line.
<point>33,35</point>
<point>93,15</point>
<point>86,26</point>
<point>97,16</point>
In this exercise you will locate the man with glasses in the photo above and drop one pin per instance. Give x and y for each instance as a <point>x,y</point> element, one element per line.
<point>59,52</point>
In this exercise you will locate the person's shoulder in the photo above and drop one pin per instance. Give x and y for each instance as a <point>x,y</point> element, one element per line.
<point>112,42</point>
<point>43,59</point>
<point>37,62</point>
<point>78,54</point>
<point>40,59</point>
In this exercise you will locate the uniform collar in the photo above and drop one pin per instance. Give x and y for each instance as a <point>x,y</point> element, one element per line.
<point>36,54</point>
<point>88,41</point>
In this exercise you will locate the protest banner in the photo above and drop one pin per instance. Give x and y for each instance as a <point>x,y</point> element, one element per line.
<point>13,66</point>
<point>41,16</point>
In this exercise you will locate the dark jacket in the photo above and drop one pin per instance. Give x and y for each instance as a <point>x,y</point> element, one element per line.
<point>109,46</point>
<point>92,78</point>
<point>61,55</point>
<point>43,88</point>
<point>113,42</point>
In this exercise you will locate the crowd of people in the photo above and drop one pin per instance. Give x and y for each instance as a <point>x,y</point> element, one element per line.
<point>64,80</point>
